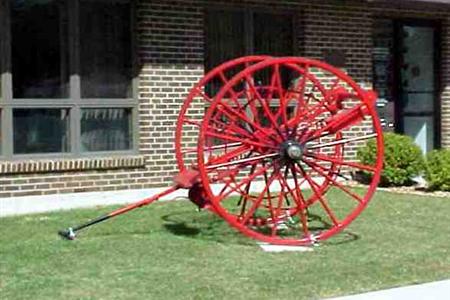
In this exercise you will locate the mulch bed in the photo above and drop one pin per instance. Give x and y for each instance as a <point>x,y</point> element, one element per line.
<point>414,190</point>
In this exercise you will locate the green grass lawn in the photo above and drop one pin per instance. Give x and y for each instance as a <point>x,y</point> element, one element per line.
<point>170,251</point>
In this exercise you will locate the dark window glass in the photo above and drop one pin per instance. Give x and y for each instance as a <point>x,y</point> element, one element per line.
<point>273,34</point>
<point>106,129</point>
<point>40,130</point>
<point>105,38</point>
<point>229,35</point>
<point>225,36</point>
<point>39,49</point>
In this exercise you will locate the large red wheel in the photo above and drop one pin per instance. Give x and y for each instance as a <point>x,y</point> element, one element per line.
<point>200,97</point>
<point>278,143</point>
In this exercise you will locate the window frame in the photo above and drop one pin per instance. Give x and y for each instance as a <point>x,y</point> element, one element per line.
<point>73,102</point>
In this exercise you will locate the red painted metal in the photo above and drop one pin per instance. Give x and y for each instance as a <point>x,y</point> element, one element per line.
<point>277,139</point>
<point>281,211</point>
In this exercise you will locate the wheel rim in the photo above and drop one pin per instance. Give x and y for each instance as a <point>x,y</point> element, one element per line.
<point>267,160</point>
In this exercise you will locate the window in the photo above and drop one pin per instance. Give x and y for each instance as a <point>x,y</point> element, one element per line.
<point>66,78</point>
<point>40,130</point>
<point>232,33</point>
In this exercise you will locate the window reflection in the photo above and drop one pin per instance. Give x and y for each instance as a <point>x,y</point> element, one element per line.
<point>40,130</point>
<point>106,129</point>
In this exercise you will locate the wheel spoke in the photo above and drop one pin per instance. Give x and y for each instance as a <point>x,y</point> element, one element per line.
<point>343,141</point>
<point>237,139</point>
<point>321,107</point>
<point>319,196</point>
<point>318,168</point>
<point>244,161</point>
<point>244,193</point>
<point>301,203</point>
<point>252,94</point>
<point>276,216</point>
<point>247,180</point>
<point>255,126</point>
<point>225,80</point>
<point>265,103</point>
<point>232,128</point>
<point>269,196</point>
<point>212,148</point>
<point>338,122</point>
<point>299,90</point>
<point>229,156</point>
<point>312,112</point>
<point>285,184</point>
<point>279,87</point>
<point>340,161</point>
<point>260,198</point>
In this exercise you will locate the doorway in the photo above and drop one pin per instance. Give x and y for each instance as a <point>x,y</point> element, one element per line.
<point>416,108</point>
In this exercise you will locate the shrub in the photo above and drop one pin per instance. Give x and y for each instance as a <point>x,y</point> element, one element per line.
<point>403,159</point>
<point>438,170</point>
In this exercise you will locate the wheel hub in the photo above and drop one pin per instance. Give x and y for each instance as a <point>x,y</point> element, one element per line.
<point>291,150</point>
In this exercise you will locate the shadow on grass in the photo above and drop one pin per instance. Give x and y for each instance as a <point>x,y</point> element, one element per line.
<point>182,229</point>
<point>205,226</point>
<point>212,228</point>
<point>338,239</point>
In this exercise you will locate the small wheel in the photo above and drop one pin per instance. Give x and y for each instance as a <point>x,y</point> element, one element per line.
<point>276,150</point>
<point>200,96</point>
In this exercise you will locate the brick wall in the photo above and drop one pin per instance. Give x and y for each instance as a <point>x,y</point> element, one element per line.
<point>171,51</point>
<point>347,29</point>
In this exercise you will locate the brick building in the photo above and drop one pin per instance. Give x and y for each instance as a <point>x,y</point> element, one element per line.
<point>90,90</point>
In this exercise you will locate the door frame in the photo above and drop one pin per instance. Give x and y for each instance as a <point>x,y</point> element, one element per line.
<point>397,88</point>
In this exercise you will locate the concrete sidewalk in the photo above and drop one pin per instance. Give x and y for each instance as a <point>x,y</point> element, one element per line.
<point>439,290</point>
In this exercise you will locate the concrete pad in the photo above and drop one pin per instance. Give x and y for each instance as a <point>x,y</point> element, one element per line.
<point>281,248</point>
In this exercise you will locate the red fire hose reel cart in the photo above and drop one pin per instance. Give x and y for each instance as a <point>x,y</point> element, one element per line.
<point>266,142</point>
